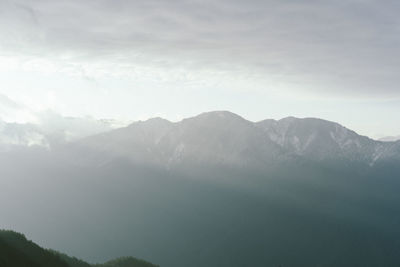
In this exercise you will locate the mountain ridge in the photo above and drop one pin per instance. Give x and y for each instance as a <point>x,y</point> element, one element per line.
<point>16,250</point>
<point>223,137</point>
<point>214,190</point>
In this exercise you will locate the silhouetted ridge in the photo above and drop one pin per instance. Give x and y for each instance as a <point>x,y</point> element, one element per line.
<point>17,251</point>
<point>17,248</point>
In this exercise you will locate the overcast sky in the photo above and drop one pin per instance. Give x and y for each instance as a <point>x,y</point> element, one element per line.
<point>130,60</point>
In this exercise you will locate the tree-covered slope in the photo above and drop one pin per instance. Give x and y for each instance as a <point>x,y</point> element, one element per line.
<point>119,262</point>
<point>17,251</point>
<point>126,262</point>
<point>11,257</point>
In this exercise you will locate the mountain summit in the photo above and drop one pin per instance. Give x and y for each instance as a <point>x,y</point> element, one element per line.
<point>222,137</point>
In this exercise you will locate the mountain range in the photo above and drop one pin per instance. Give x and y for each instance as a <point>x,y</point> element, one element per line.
<point>211,190</point>
<point>223,137</point>
<point>51,130</point>
<point>213,137</point>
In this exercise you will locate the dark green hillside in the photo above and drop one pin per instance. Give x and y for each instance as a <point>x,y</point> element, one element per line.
<point>71,261</point>
<point>11,257</point>
<point>17,251</point>
<point>126,262</point>
<point>120,262</point>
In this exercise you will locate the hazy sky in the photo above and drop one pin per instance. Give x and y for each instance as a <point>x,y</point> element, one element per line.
<point>127,59</point>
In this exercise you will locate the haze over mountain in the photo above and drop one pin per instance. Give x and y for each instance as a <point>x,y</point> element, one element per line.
<point>52,130</point>
<point>211,190</point>
<point>295,180</point>
<point>222,137</point>
<point>163,142</point>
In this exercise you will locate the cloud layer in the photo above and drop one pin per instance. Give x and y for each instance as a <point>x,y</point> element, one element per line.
<point>346,48</point>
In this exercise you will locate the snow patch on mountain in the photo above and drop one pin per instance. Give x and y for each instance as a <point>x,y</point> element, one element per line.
<point>219,138</point>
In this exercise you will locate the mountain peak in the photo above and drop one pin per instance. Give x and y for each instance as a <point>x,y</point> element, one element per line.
<point>219,114</point>
<point>156,121</point>
<point>223,136</point>
<point>307,119</point>
<point>152,122</point>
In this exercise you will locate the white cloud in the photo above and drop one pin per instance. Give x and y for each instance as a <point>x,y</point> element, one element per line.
<point>20,125</point>
<point>346,47</point>
<point>12,111</point>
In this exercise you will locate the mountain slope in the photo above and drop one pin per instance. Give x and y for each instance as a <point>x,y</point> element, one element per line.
<point>125,262</point>
<point>126,193</point>
<point>224,138</point>
<point>11,257</point>
<point>17,251</point>
<point>210,138</point>
<point>318,139</point>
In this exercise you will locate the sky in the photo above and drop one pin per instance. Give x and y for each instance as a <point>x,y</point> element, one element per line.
<point>132,60</point>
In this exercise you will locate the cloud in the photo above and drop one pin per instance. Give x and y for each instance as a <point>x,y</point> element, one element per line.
<point>12,111</point>
<point>6,102</point>
<point>61,129</point>
<point>322,47</point>
<point>50,130</point>
<point>20,125</point>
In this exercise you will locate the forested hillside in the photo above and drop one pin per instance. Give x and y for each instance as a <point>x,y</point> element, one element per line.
<point>17,251</point>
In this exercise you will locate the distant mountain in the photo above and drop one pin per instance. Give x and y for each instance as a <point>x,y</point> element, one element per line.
<point>318,140</point>
<point>210,138</point>
<point>54,131</point>
<point>218,137</point>
<point>222,137</point>
<point>214,190</point>
<point>17,251</point>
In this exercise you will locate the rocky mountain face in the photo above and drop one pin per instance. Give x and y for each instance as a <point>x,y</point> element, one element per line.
<point>318,139</point>
<point>222,137</point>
